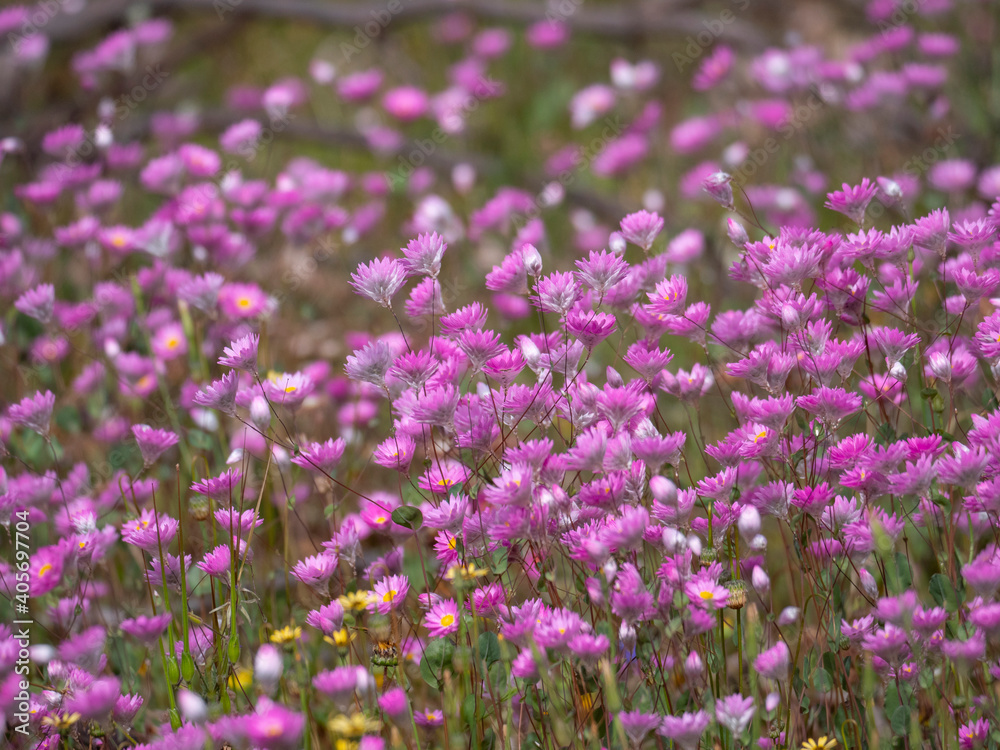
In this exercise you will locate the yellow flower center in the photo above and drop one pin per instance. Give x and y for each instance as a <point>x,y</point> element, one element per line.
<point>44,569</point>
<point>706,595</point>
<point>389,595</point>
<point>380,519</point>
<point>341,637</point>
<point>243,302</point>
<point>760,436</point>
<point>118,240</point>
<point>173,342</point>
<point>447,620</point>
<point>444,483</point>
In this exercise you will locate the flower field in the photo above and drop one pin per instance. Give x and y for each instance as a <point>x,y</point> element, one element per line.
<point>479,375</point>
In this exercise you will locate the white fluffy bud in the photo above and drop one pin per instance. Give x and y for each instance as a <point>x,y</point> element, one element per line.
<point>749,522</point>
<point>192,707</point>
<point>663,490</point>
<point>267,667</point>
<point>532,259</point>
<point>760,581</point>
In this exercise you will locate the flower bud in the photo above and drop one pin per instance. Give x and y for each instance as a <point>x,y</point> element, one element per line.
<point>737,594</point>
<point>790,316</point>
<point>532,354</point>
<point>532,259</point>
<point>890,188</point>
<point>749,522</point>
<point>758,543</point>
<point>760,580</point>
<point>463,177</point>
<point>103,136</point>
<point>898,371</point>
<point>597,551</point>
<point>610,569</point>
<point>192,707</point>
<point>595,592</point>
<point>694,544</point>
<point>693,666</point>
<point>718,186</point>
<point>627,635</point>
<point>940,366</point>
<point>663,490</point>
<point>673,540</point>
<point>737,234</point>
<point>260,413</point>
<point>322,72</point>
<point>868,584</point>
<point>267,667</point>
<point>788,616</point>
<point>617,243</point>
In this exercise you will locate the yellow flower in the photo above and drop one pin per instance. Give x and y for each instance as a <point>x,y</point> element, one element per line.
<point>357,600</point>
<point>466,572</point>
<point>61,722</point>
<point>354,725</point>
<point>287,634</point>
<point>823,743</point>
<point>240,678</point>
<point>340,638</point>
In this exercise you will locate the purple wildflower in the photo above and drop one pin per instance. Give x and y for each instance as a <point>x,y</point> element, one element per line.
<point>379,280</point>
<point>37,303</point>
<point>145,629</point>
<point>734,712</point>
<point>153,443</point>
<point>241,354</point>
<point>34,412</point>
<point>641,228</point>
<point>852,201</point>
<point>774,662</point>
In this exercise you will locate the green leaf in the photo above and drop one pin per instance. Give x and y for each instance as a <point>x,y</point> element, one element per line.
<point>903,571</point>
<point>900,720</point>
<point>822,681</point>
<point>469,713</point>
<point>67,418</point>
<point>436,659</point>
<point>499,562</point>
<point>943,592</point>
<point>199,440</point>
<point>885,434</point>
<point>489,648</point>
<point>408,517</point>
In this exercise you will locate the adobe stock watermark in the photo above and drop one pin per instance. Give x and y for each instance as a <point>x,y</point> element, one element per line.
<point>550,192</point>
<point>561,10</point>
<point>902,12</point>
<point>919,164</point>
<point>124,105</point>
<point>371,29</point>
<point>696,44</point>
<point>801,115</point>
<point>37,18</point>
<point>422,148</point>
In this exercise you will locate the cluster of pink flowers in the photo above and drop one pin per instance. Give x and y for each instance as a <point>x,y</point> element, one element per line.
<point>692,485</point>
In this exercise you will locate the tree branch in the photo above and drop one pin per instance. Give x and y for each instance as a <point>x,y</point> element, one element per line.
<point>628,22</point>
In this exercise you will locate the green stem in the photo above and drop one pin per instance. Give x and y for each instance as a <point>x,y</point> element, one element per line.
<point>739,646</point>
